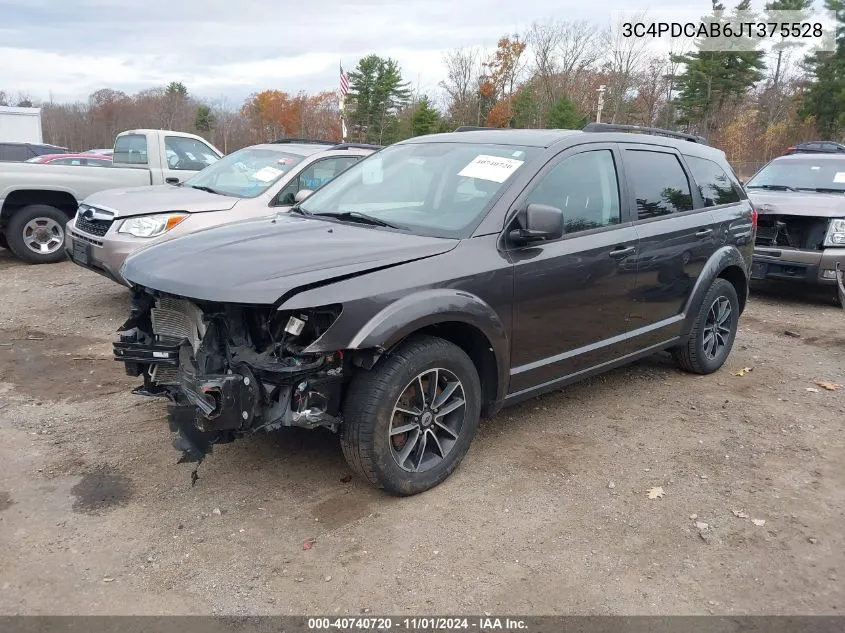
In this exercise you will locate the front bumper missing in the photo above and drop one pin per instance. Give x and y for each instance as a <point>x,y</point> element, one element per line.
<point>212,409</point>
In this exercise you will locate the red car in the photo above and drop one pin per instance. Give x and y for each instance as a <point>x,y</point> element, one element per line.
<point>91,160</point>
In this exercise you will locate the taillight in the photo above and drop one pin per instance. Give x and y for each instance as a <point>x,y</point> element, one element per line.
<point>753,217</point>
<point>789,149</point>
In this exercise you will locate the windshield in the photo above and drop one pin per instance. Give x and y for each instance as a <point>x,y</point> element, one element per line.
<point>246,173</point>
<point>805,174</point>
<point>439,189</point>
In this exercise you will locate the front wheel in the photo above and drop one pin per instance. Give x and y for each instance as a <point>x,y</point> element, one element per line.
<point>36,234</point>
<point>713,332</point>
<point>409,421</point>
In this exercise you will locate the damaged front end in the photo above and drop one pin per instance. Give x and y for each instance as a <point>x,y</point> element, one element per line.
<point>229,369</point>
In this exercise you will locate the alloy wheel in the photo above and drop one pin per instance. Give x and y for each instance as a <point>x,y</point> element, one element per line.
<point>717,327</point>
<point>427,420</point>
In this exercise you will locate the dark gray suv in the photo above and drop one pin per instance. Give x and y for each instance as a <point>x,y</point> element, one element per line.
<point>438,280</point>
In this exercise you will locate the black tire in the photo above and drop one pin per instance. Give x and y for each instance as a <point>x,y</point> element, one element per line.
<point>17,232</point>
<point>368,411</point>
<point>694,355</point>
<point>3,242</point>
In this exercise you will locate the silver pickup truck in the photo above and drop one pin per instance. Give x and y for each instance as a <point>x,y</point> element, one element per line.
<point>36,200</point>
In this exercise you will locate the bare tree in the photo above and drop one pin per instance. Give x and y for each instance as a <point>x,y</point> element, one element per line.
<point>461,84</point>
<point>627,56</point>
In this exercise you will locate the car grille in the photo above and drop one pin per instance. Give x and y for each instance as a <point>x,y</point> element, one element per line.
<point>93,227</point>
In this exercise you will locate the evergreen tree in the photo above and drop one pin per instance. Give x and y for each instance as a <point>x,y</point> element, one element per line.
<point>376,94</point>
<point>204,120</point>
<point>425,119</point>
<point>563,115</point>
<point>526,108</point>
<point>825,99</point>
<point>713,79</point>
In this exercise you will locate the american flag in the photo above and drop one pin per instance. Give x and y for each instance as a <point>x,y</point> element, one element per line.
<point>344,83</point>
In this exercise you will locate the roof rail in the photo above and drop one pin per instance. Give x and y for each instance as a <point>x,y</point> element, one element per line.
<point>298,139</point>
<point>638,129</point>
<point>472,128</point>
<point>357,146</point>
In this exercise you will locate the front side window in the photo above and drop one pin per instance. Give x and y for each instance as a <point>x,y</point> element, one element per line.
<point>246,173</point>
<point>807,173</point>
<point>431,188</point>
<point>659,183</point>
<point>131,149</point>
<point>585,187</point>
<point>314,176</point>
<point>713,183</point>
<point>188,154</point>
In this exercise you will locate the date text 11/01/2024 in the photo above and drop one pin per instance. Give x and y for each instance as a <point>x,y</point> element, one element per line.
<point>416,624</point>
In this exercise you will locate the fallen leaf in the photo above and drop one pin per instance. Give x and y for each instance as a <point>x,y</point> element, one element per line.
<point>792,333</point>
<point>824,384</point>
<point>655,493</point>
<point>740,514</point>
<point>758,522</point>
<point>108,579</point>
<point>309,543</point>
<point>813,390</point>
<point>743,371</point>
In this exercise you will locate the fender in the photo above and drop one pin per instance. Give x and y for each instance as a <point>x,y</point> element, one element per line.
<point>720,260</point>
<point>413,312</point>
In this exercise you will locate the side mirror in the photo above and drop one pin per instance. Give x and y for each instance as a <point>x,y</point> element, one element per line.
<point>538,222</point>
<point>302,194</point>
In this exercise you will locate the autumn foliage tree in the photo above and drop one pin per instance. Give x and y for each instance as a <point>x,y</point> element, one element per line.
<point>274,114</point>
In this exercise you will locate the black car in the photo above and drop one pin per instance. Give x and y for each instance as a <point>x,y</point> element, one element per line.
<point>438,280</point>
<point>20,152</point>
<point>817,147</point>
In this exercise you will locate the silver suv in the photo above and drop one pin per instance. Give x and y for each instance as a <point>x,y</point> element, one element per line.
<point>252,182</point>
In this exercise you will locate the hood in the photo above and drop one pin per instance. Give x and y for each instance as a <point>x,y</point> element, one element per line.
<point>804,203</point>
<point>158,199</point>
<point>258,261</point>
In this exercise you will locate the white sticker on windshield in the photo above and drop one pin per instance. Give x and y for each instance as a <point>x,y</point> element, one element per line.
<point>491,168</point>
<point>267,174</point>
<point>839,176</point>
<point>372,171</point>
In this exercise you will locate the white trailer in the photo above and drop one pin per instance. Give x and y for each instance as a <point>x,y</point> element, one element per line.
<point>20,125</point>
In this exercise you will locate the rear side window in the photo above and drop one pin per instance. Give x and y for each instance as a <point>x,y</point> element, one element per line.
<point>659,183</point>
<point>715,186</point>
<point>14,153</point>
<point>131,149</point>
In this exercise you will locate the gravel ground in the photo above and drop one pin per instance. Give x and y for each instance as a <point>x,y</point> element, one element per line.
<point>549,512</point>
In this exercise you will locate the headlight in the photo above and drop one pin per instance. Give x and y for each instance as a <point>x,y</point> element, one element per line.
<point>835,233</point>
<point>151,225</point>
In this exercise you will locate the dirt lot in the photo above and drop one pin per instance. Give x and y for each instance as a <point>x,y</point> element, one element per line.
<point>549,512</point>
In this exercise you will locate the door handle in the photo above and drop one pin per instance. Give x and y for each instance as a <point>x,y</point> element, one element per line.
<point>622,251</point>
<point>171,181</point>
<point>703,233</point>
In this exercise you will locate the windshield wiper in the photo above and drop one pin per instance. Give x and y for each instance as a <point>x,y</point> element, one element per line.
<point>363,218</point>
<point>822,189</point>
<point>297,209</point>
<point>208,189</point>
<point>772,187</point>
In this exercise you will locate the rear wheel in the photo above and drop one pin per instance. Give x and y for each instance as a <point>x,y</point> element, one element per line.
<point>713,332</point>
<point>409,421</point>
<point>36,234</point>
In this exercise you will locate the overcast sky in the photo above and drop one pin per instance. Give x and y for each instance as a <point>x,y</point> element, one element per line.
<point>230,48</point>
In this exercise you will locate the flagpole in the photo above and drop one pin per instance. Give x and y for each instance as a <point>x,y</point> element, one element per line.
<point>342,101</point>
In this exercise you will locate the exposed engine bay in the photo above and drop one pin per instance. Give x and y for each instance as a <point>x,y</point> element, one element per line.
<point>791,231</point>
<point>229,369</point>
